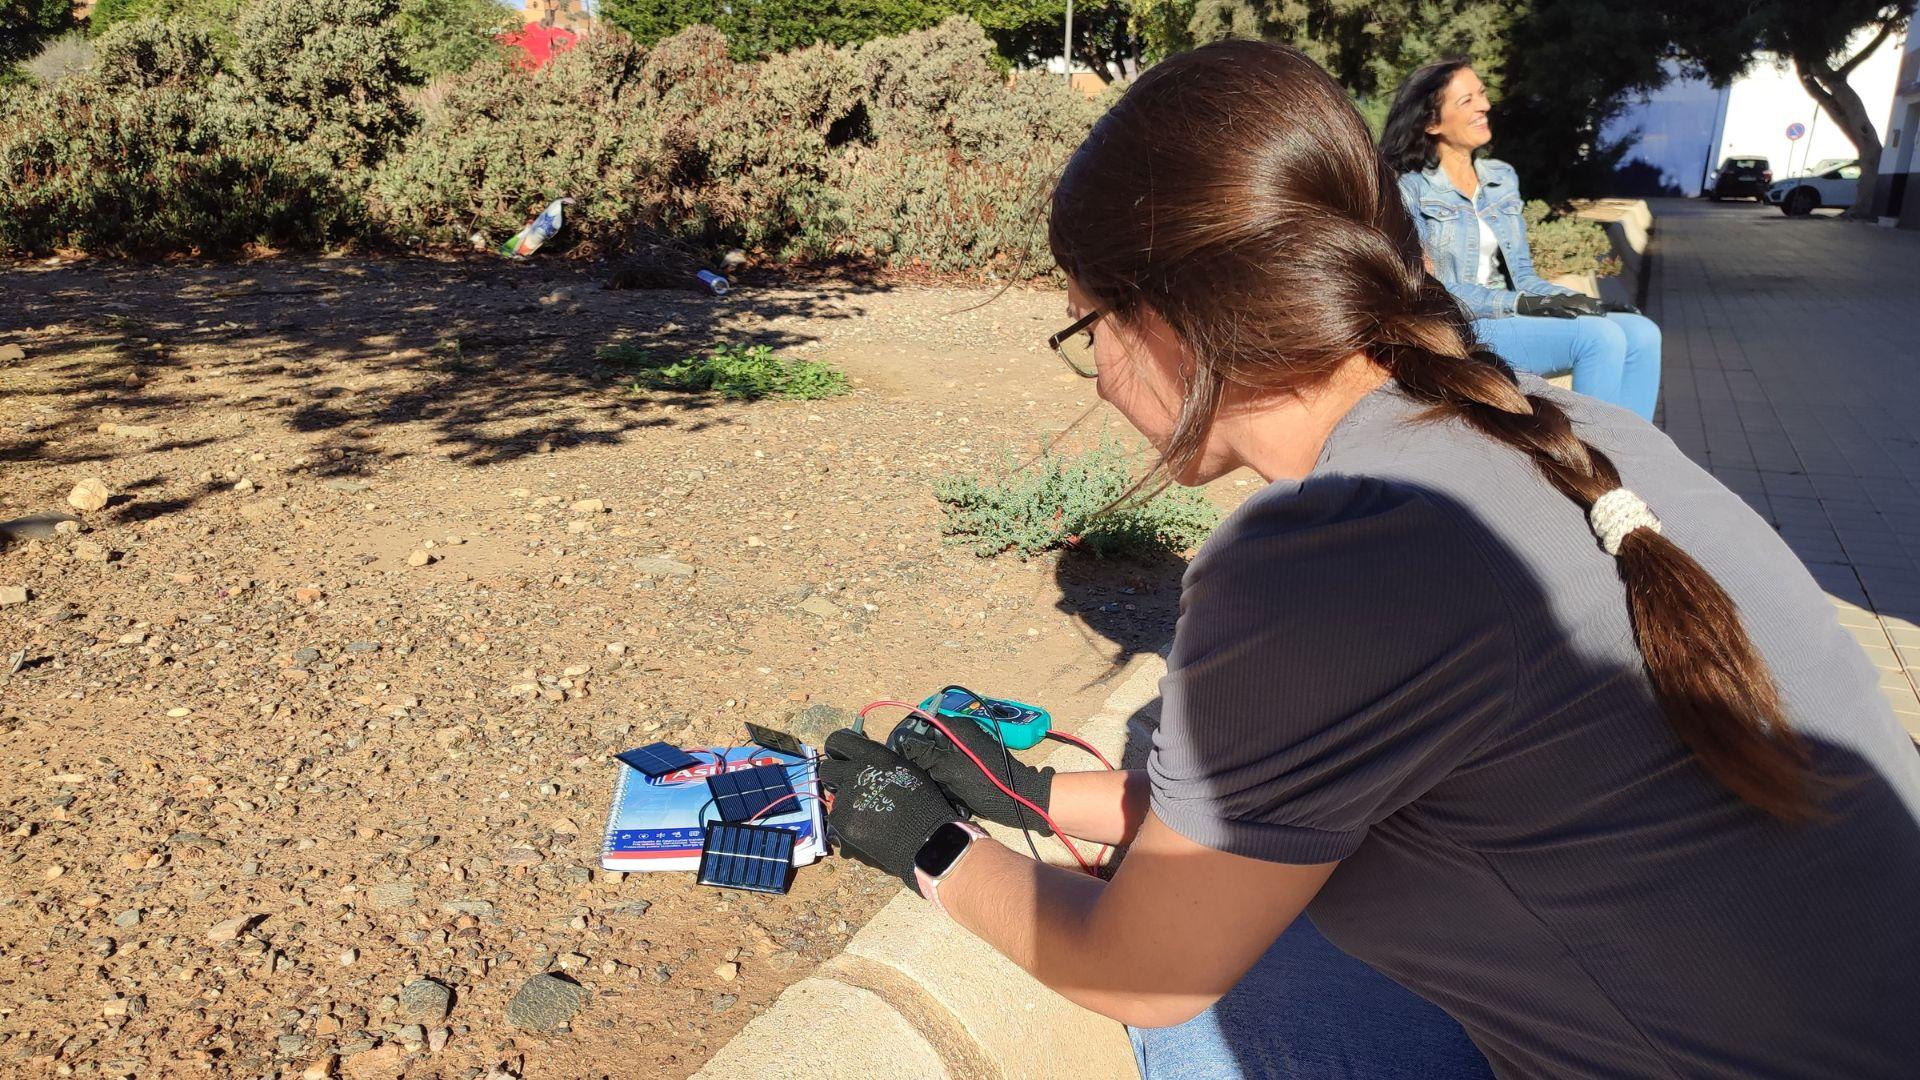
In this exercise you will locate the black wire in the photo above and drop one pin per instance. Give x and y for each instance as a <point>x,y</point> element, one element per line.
<point>1006,763</point>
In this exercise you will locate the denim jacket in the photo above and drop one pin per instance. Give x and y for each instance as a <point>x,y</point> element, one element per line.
<point>1452,240</point>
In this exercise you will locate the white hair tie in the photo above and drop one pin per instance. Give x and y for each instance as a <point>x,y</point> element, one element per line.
<point>1616,514</point>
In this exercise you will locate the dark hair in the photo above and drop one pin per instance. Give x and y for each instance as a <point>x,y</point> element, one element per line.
<point>1234,191</point>
<point>1416,107</point>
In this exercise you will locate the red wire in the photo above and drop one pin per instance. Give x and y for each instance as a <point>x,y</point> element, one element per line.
<point>988,773</point>
<point>781,799</point>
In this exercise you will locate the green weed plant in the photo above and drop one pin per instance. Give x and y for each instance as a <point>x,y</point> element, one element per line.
<point>733,372</point>
<point>1070,501</point>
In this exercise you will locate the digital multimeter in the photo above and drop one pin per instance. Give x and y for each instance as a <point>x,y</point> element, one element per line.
<point>1016,724</point>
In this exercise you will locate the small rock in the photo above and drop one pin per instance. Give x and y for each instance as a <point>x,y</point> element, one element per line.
<point>178,712</point>
<point>423,1001</point>
<point>588,506</point>
<point>222,932</point>
<point>307,596</point>
<point>412,1036</point>
<point>728,971</point>
<point>321,1069</point>
<point>292,1044</point>
<point>306,655</point>
<point>814,723</point>
<point>820,606</point>
<point>476,908</point>
<point>89,494</point>
<point>437,1040</point>
<point>722,1002</point>
<point>12,594</point>
<point>363,646</point>
<point>657,567</point>
<point>393,895</point>
<point>545,1002</point>
<point>245,485</point>
<point>127,919</point>
<point>88,551</point>
<point>11,353</point>
<point>418,557</point>
<point>348,956</point>
<point>572,961</point>
<point>348,487</point>
<point>37,526</point>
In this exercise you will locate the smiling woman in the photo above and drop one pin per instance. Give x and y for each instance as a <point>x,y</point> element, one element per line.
<point>1471,220</point>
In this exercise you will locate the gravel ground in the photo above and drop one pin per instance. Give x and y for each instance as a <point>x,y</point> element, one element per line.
<point>309,725</point>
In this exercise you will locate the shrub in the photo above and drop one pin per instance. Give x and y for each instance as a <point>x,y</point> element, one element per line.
<point>326,77</point>
<point>1065,501</point>
<point>1565,244</point>
<point>137,171</point>
<point>146,53</point>
<point>735,373</point>
<point>67,55</point>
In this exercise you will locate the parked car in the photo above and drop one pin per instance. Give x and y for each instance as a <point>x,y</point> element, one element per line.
<point>1802,195</point>
<point>1741,178</point>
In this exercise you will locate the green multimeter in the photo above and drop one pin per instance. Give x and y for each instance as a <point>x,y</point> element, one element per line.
<point>1016,724</point>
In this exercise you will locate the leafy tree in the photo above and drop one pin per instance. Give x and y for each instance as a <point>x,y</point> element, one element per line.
<point>24,24</point>
<point>214,16</point>
<point>756,29</point>
<point>1815,38</point>
<point>445,37</point>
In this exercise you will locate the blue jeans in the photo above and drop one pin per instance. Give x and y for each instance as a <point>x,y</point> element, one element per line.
<point>1308,1011</point>
<point>1615,358</point>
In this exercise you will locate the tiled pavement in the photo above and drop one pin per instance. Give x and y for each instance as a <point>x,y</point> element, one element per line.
<point>1793,374</point>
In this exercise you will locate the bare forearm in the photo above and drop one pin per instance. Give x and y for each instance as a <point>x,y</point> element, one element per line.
<point>1101,807</point>
<point>1042,918</point>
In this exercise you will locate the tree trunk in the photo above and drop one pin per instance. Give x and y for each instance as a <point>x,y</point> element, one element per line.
<point>1843,106</point>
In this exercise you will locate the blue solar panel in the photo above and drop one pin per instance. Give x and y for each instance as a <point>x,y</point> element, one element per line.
<point>740,795</point>
<point>751,857</point>
<point>658,759</point>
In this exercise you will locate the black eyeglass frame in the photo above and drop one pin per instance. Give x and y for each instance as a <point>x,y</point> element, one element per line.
<point>1080,325</point>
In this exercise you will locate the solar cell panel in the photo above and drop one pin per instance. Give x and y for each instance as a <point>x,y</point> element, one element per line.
<point>756,858</point>
<point>658,759</point>
<point>740,795</point>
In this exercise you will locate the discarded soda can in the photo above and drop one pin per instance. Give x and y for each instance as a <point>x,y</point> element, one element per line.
<point>714,281</point>
<point>538,231</point>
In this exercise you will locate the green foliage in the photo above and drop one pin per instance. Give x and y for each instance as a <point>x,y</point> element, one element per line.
<point>1061,501</point>
<point>150,52</point>
<point>141,170</point>
<point>446,37</point>
<point>756,29</point>
<point>325,77</point>
<point>25,24</point>
<point>733,372</point>
<point>1565,244</point>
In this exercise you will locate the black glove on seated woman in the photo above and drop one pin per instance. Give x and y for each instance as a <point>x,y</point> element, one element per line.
<point>884,806</point>
<point>1558,306</point>
<point>962,781</point>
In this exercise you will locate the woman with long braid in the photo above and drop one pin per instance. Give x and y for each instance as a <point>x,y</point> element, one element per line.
<point>1497,739</point>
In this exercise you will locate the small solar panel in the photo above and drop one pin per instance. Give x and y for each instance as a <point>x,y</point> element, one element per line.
<point>740,795</point>
<point>658,759</point>
<point>756,858</point>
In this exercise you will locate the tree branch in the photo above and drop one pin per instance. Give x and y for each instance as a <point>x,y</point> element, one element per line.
<point>1887,27</point>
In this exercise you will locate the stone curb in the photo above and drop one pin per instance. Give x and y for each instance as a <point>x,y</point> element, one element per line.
<point>914,995</point>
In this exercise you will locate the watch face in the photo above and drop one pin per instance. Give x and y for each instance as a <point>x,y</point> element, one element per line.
<point>937,855</point>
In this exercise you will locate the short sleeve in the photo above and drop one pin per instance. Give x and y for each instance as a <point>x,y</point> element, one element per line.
<point>1341,648</point>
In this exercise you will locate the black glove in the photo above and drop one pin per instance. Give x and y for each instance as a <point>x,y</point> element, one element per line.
<point>963,783</point>
<point>1558,306</point>
<point>884,806</point>
<point>1620,307</point>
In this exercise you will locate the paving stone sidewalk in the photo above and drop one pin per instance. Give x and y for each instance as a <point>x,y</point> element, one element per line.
<point>1793,374</point>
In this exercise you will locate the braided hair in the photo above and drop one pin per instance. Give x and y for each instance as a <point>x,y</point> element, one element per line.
<point>1235,191</point>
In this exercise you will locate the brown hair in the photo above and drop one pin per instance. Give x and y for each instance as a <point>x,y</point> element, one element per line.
<point>1234,190</point>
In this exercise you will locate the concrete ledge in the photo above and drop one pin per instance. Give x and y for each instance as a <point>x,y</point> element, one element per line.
<point>914,995</point>
<point>1629,225</point>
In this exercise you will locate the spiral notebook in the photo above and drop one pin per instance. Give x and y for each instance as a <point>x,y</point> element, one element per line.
<point>657,823</point>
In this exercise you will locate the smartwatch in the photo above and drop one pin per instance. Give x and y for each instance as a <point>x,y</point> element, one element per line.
<point>940,854</point>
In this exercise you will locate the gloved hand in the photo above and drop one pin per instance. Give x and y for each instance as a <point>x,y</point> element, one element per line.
<point>884,806</point>
<point>1558,306</point>
<point>1621,308</point>
<point>963,783</point>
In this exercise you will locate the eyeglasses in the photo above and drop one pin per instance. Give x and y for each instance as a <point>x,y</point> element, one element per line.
<point>1074,345</point>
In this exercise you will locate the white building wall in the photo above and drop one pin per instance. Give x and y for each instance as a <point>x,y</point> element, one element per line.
<point>1687,127</point>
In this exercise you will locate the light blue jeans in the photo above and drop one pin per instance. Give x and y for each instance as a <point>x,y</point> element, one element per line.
<point>1615,358</point>
<point>1308,1011</point>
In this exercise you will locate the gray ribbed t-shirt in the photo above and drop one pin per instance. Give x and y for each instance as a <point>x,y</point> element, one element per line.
<point>1418,661</point>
